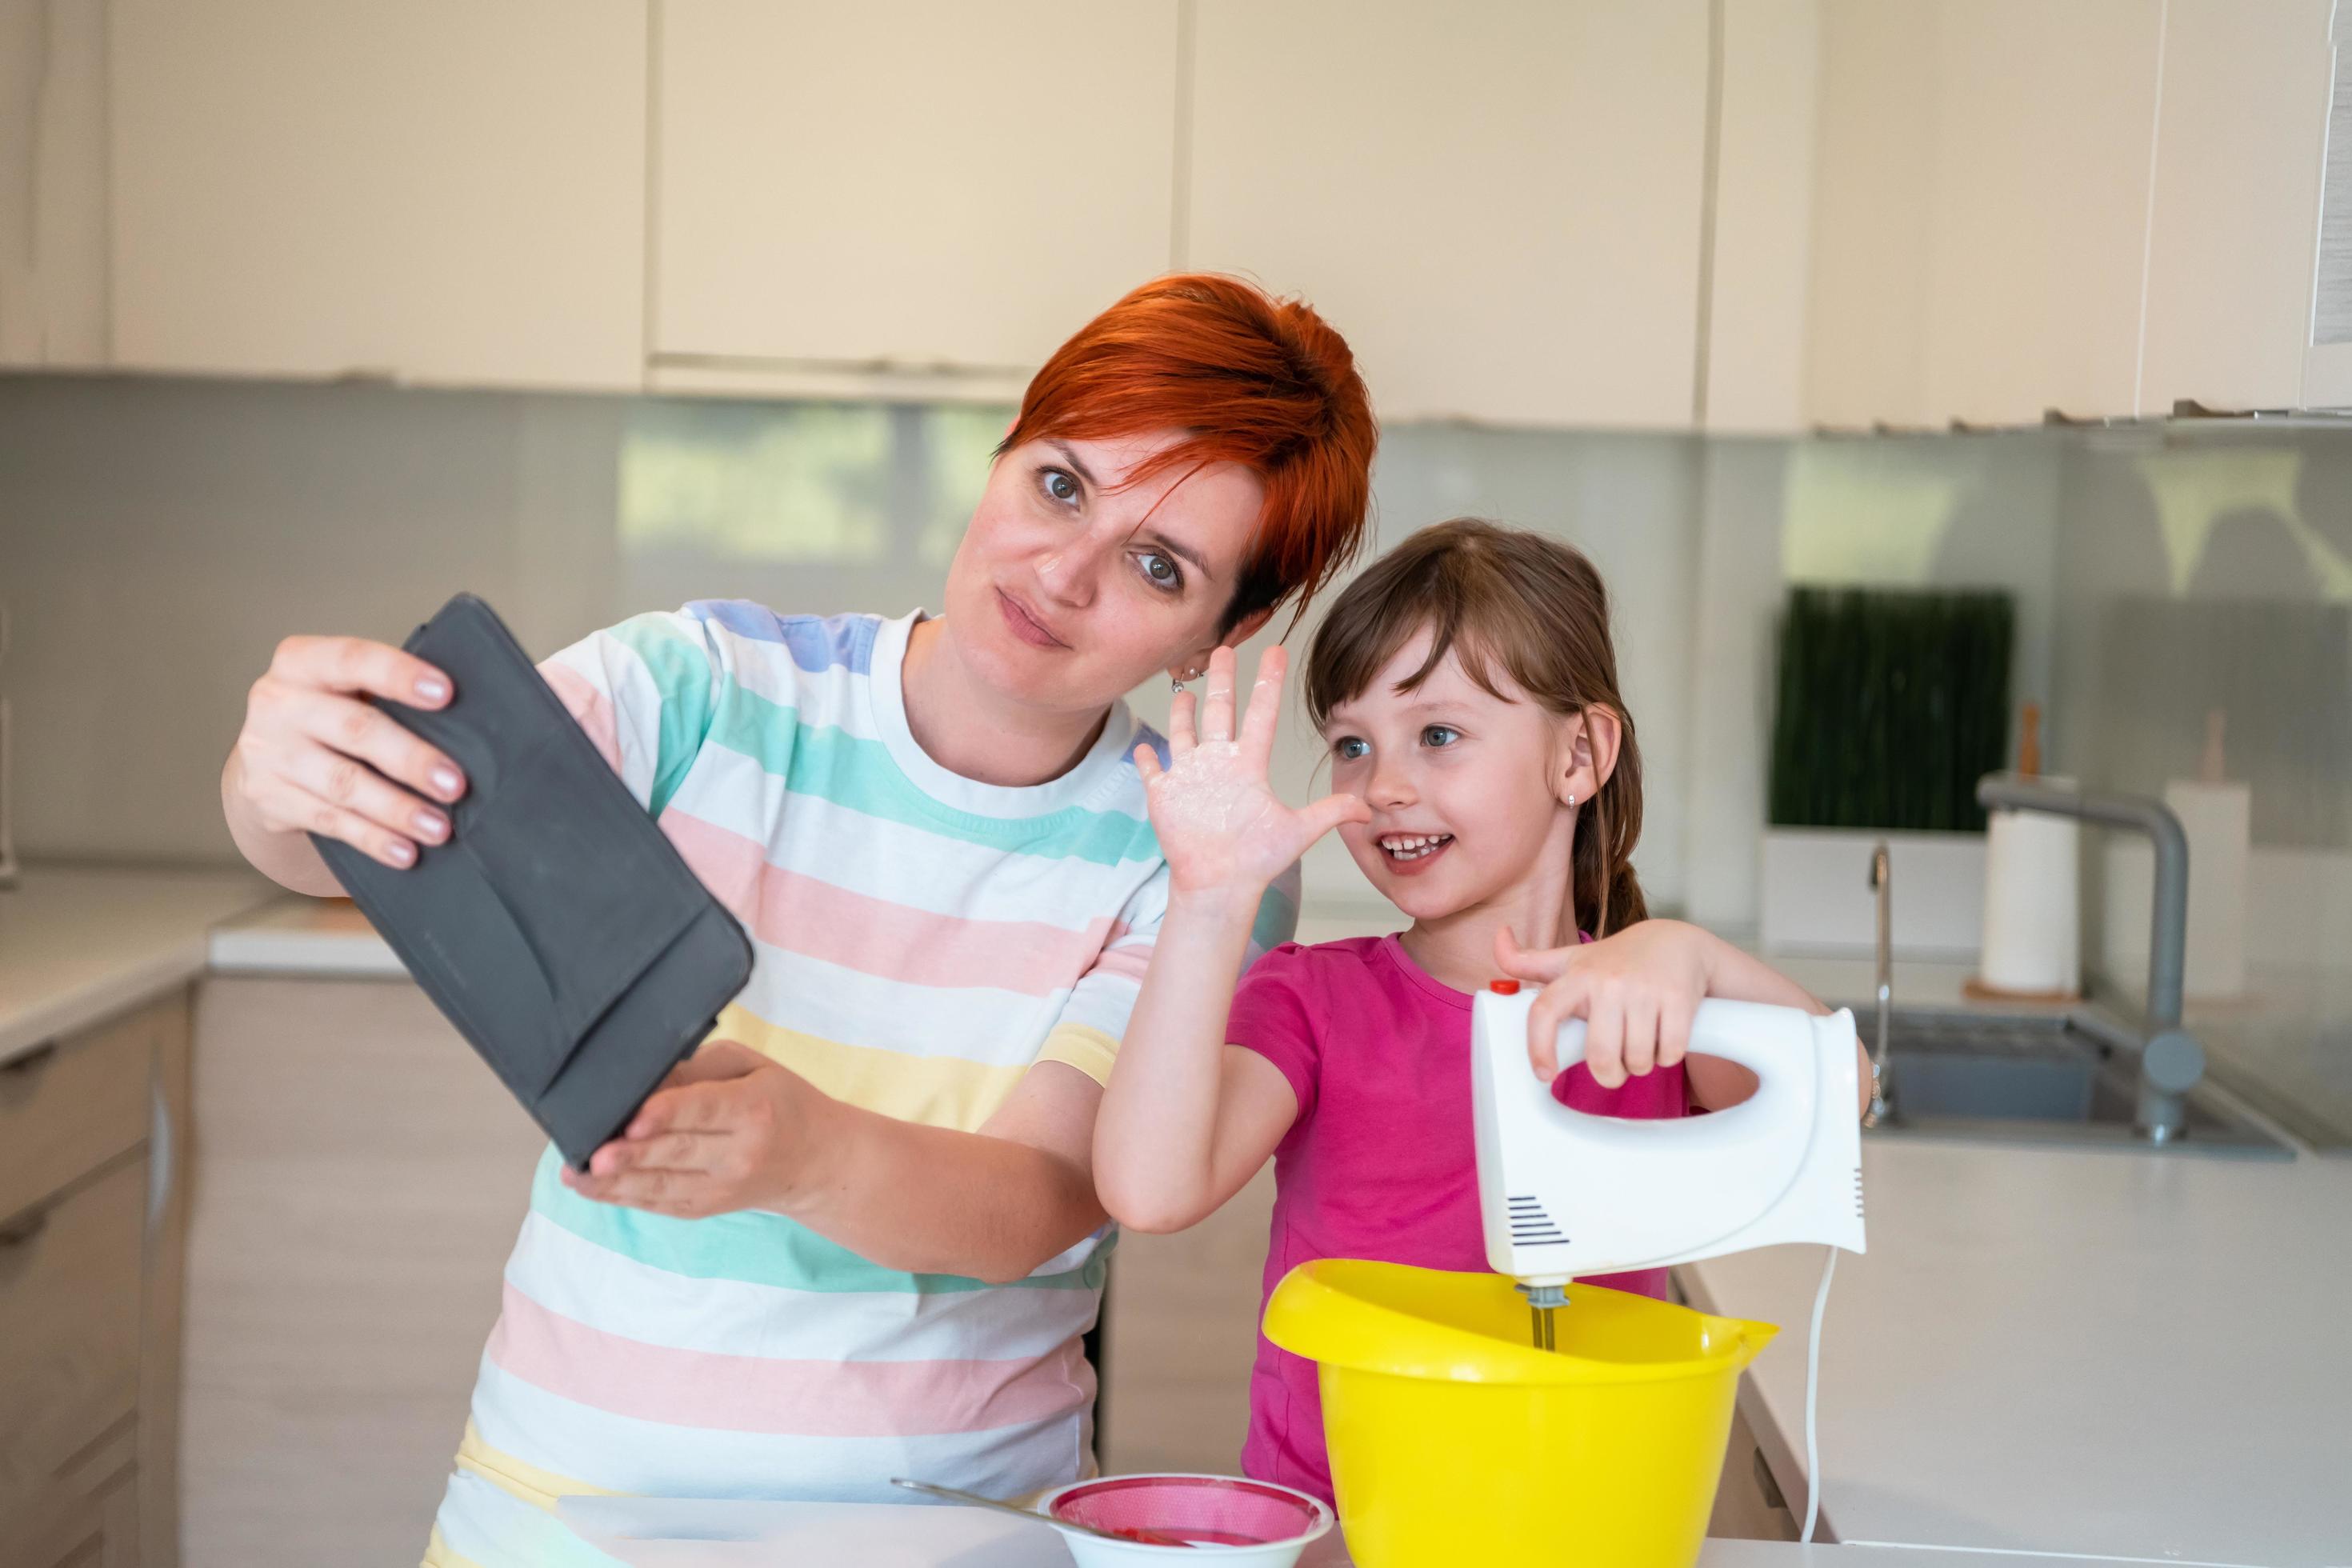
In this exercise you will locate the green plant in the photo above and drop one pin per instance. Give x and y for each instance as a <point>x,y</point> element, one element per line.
<point>1890,704</point>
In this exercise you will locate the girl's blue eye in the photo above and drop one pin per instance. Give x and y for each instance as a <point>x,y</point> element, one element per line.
<point>1059,485</point>
<point>1162,572</point>
<point>1348,748</point>
<point>1440,735</point>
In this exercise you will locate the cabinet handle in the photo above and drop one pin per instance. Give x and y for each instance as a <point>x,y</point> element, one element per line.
<point>23,1228</point>
<point>30,1062</point>
<point>161,1171</point>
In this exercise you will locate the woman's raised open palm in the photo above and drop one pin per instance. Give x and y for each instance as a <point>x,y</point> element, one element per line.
<point>1219,823</point>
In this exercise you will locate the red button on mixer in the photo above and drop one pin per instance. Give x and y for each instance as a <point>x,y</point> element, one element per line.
<point>1504,987</point>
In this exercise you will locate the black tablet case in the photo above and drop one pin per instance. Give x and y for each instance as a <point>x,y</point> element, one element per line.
<point>557,927</point>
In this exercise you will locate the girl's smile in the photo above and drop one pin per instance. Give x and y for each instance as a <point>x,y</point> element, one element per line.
<point>1410,853</point>
<point>1444,758</point>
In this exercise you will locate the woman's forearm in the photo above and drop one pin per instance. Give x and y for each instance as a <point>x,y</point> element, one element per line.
<point>1155,1137</point>
<point>933,1200</point>
<point>288,859</point>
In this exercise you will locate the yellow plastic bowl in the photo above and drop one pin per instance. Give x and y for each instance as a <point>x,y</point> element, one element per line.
<point>1452,1439</point>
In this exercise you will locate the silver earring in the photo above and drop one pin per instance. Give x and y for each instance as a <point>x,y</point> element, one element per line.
<point>1176,682</point>
<point>1571,800</point>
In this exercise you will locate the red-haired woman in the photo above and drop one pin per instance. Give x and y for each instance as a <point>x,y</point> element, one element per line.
<point>858,1236</point>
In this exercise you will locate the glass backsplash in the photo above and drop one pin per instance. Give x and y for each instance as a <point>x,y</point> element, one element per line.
<point>157,537</point>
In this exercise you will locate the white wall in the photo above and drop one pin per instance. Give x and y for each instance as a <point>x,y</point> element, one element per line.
<point>158,537</point>
<point>1628,502</point>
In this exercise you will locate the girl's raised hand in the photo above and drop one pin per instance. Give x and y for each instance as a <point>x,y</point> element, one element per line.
<point>1220,828</point>
<point>1636,991</point>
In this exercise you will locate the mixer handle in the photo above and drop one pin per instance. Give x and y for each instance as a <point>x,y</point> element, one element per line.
<point>1781,1045</point>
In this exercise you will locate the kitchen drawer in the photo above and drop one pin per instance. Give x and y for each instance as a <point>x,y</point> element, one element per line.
<point>74,1104</point>
<point>93,1529</point>
<point>69,1333</point>
<point>1749,1503</point>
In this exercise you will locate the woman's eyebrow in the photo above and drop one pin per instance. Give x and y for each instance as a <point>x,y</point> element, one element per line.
<point>1158,541</point>
<point>1076,465</point>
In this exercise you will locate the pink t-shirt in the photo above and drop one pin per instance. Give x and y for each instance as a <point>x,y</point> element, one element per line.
<point>1381,1163</point>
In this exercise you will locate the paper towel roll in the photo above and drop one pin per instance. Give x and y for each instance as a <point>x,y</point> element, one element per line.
<point>2216,819</point>
<point>2033,906</point>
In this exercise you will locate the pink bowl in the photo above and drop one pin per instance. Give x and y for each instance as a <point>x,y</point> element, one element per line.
<point>1210,1513</point>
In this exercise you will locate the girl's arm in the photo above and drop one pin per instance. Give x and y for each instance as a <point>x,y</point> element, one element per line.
<point>1636,991</point>
<point>1187,1118</point>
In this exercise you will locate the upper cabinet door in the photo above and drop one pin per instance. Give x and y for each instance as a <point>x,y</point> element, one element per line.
<point>2241,133</point>
<point>53,184</point>
<point>439,190</point>
<point>897,185</point>
<point>1498,204</point>
<point>1761,242</point>
<point>1980,208</point>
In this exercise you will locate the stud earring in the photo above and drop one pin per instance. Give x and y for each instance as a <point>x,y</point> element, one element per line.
<point>1176,682</point>
<point>1571,800</point>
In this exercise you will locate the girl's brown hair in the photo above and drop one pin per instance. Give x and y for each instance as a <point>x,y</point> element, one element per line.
<point>1535,606</point>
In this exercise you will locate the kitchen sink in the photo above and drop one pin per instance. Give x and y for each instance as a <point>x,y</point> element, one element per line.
<point>2052,1079</point>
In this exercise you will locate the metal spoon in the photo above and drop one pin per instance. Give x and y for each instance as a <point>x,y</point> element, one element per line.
<point>1139,1535</point>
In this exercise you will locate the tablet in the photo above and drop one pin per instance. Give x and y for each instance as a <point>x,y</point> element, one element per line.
<point>557,927</point>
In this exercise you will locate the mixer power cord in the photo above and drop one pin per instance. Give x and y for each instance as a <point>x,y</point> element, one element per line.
<point>1812,1400</point>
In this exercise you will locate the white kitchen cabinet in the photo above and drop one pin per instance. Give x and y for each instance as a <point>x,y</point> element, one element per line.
<point>443,191</point>
<point>1498,204</point>
<point>359,1179</point>
<point>1980,209</point>
<point>1753,357</point>
<point>92,1131</point>
<point>1180,1336</point>
<point>53,184</point>
<point>2240,135</point>
<point>924,190</point>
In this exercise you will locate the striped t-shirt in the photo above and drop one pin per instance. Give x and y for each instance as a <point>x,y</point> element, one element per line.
<point>920,940</point>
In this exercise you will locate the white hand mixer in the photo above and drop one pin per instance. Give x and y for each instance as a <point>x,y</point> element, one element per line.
<point>1562,1193</point>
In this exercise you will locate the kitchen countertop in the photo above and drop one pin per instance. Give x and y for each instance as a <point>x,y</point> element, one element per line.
<point>2077,1352</point>
<point>2065,1350</point>
<point>2071,1351</point>
<point>657,1532</point>
<point>327,937</point>
<point>80,942</point>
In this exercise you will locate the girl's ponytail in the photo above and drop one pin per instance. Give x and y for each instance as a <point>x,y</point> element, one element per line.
<point>1605,890</point>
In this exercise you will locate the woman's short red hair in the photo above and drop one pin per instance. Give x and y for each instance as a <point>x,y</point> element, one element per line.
<point>1252,380</point>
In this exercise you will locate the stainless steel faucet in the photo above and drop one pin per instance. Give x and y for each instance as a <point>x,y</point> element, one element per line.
<point>1882,1086</point>
<point>2170,1061</point>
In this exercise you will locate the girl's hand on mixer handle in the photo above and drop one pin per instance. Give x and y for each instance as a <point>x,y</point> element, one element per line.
<point>313,757</point>
<point>1221,828</point>
<point>1636,991</point>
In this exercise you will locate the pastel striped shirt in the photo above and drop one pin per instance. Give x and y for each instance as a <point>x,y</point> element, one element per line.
<point>920,942</point>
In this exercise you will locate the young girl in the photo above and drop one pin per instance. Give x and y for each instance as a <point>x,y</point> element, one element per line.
<point>1491,790</point>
